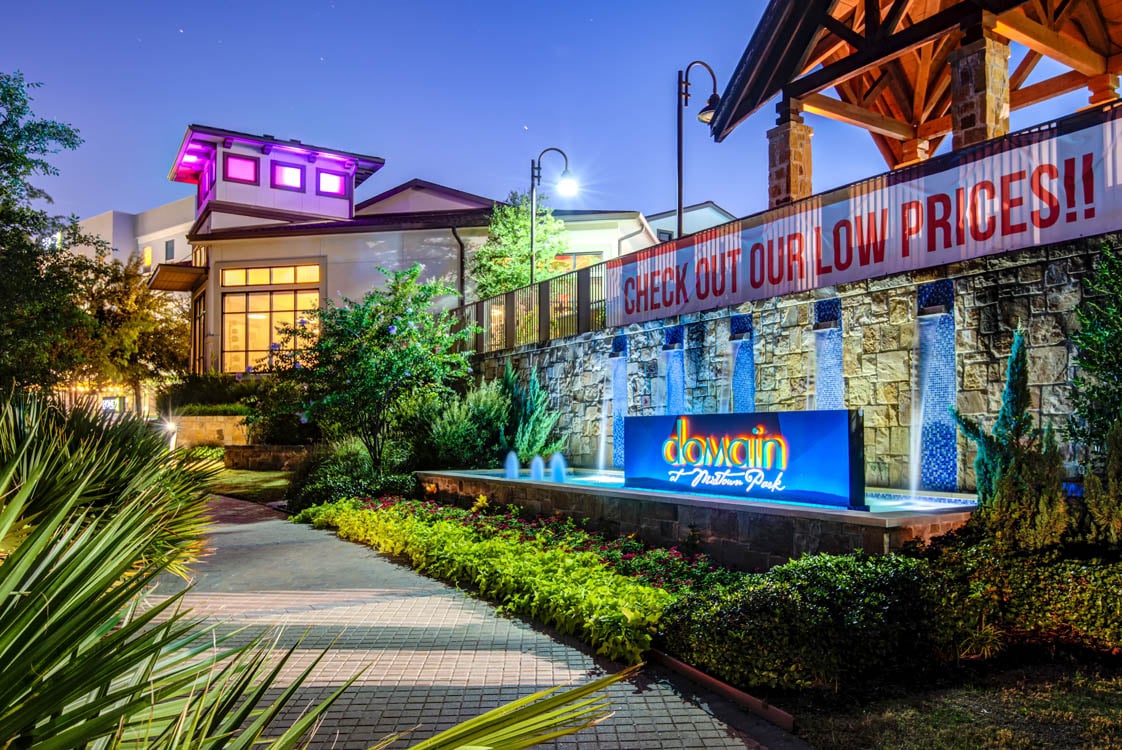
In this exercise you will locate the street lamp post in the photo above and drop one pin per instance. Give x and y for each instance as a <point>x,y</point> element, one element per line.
<point>705,115</point>
<point>567,185</point>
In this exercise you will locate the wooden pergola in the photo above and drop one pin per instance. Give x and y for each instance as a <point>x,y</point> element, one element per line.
<point>889,61</point>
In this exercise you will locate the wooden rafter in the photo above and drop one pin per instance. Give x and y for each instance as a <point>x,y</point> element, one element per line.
<point>1024,69</point>
<point>874,90</point>
<point>1018,27</point>
<point>852,114</point>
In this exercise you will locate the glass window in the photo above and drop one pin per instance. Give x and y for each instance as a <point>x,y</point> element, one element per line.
<point>233,277</point>
<point>169,250</point>
<point>146,255</point>
<point>250,319</point>
<point>257,276</point>
<point>288,176</point>
<point>331,183</point>
<point>240,169</point>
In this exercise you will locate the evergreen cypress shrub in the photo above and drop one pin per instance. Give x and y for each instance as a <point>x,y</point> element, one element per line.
<point>533,424</point>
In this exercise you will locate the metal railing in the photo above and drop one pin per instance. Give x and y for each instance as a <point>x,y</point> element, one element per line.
<point>562,306</point>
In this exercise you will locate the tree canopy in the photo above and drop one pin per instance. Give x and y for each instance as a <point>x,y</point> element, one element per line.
<point>503,262</point>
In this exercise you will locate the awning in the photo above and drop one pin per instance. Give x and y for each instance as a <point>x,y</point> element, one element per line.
<point>172,277</point>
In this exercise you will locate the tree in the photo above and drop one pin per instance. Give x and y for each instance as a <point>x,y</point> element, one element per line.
<point>41,280</point>
<point>1097,388</point>
<point>1012,426</point>
<point>369,354</point>
<point>137,334</point>
<point>503,262</point>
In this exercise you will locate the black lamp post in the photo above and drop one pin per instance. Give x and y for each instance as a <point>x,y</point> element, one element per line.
<point>705,115</point>
<point>567,185</point>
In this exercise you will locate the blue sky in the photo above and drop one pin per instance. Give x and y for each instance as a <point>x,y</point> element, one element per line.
<point>460,93</point>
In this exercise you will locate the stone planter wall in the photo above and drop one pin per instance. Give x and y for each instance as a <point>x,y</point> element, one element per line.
<point>749,536</point>
<point>1038,288</point>
<point>192,431</point>
<point>265,457</point>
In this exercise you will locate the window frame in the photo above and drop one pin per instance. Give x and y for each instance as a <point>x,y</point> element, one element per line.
<point>275,185</point>
<point>344,176</point>
<point>227,155</point>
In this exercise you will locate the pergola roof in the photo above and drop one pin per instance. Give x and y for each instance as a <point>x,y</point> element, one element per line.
<point>888,60</point>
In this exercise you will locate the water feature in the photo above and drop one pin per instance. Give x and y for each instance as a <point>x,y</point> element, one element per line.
<point>537,469</point>
<point>511,467</point>
<point>674,367</point>
<point>619,407</point>
<point>932,449</point>
<point>602,438</point>
<point>558,468</point>
<point>829,381</point>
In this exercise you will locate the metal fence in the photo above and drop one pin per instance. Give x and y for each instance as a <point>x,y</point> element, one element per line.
<point>562,306</point>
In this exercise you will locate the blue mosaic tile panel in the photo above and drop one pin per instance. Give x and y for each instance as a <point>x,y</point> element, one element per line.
<point>619,345</point>
<point>829,383</point>
<point>740,326</point>
<point>619,407</point>
<point>937,391</point>
<point>936,293</point>
<point>744,374</point>
<point>827,309</point>
<point>675,381</point>
<point>673,336</point>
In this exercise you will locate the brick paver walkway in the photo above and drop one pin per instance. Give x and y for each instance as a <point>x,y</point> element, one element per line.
<point>434,655</point>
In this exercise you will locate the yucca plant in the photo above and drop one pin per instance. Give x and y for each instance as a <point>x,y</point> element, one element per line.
<point>92,510</point>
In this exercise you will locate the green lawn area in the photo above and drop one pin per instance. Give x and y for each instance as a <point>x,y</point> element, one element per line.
<point>256,486</point>
<point>1065,704</point>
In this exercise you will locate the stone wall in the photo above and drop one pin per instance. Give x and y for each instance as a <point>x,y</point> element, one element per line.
<point>1038,289</point>
<point>265,457</point>
<point>214,430</point>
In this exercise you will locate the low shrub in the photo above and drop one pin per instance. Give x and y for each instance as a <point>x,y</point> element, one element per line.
<point>820,621</point>
<point>574,592</point>
<point>206,453</point>
<point>213,410</point>
<point>339,471</point>
<point>212,388</point>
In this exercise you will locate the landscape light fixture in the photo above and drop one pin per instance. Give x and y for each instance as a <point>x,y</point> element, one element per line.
<point>567,186</point>
<point>705,116</point>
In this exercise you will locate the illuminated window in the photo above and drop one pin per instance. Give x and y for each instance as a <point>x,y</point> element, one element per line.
<point>200,256</point>
<point>146,256</point>
<point>331,183</point>
<point>240,169</point>
<point>198,334</point>
<point>576,260</point>
<point>250,318</point>
<point>287,176</point>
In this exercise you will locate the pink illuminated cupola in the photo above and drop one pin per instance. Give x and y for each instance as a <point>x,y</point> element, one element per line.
<point>247,180</point>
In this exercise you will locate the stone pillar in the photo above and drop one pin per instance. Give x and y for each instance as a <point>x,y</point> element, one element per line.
<point>1104,88</point>
<point>979,88</point>
<point>788,157</point>
<point>915,150</point>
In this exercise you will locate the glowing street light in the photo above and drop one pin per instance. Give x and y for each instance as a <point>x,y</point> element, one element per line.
<point>567,186</point>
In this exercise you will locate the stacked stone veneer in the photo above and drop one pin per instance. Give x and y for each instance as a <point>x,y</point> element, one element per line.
<point>211,430</point>
<point>1038,288</point>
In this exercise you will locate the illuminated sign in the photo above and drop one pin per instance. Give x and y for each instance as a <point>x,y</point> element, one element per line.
<point>814,457</point>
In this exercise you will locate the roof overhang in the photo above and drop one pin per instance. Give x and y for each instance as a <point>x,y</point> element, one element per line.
<point>202,140</point>
<point>172,277</point>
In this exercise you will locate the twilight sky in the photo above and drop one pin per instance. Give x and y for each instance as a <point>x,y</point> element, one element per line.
<point>457,92</point>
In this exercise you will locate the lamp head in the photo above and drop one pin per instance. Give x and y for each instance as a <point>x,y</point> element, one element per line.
<point>710,109</point>
<point>567,185</point>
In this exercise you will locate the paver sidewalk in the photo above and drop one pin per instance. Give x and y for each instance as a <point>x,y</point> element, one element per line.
<point>434,655</point>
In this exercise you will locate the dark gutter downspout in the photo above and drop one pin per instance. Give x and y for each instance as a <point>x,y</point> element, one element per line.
<point>460,280</point>
<point>624,238</point>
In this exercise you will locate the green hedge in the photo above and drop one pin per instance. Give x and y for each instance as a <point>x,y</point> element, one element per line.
<point>573,592</point>
<point>213,410</point>
<point>342,470</point>
<point>820,621</point>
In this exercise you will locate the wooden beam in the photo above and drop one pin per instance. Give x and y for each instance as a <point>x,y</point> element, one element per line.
<point>854,115</point>
<point>895,14</point>
<point>875,90</point>
<point>872,18</point>
<point>843,32</point>
<point>1018,27</point>
<point>1024,69</point>
<point>905,40</point>
<point>1019,99</point>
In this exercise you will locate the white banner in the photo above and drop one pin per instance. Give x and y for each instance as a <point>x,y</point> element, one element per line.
<point>1031,188</point>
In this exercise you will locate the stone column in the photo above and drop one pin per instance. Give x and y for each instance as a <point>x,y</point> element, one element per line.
<point>979,88</point>
<point>1104,88</point>
<point>788,157</point>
